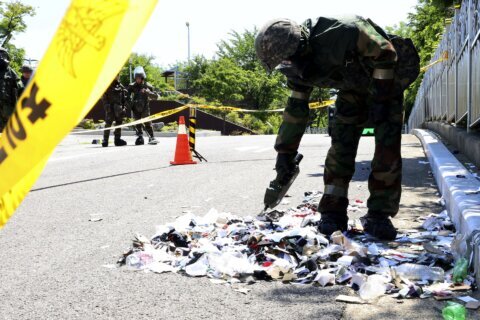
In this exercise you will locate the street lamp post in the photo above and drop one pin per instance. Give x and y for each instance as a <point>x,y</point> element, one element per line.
<point>188,30</point>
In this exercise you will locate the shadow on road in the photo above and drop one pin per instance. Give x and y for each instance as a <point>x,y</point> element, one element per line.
<point>98,178</point>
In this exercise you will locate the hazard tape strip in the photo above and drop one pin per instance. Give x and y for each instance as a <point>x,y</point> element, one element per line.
<point>90,46</point>
<point>152,117</point>
<point>163,114</point>
<point>443,58</point>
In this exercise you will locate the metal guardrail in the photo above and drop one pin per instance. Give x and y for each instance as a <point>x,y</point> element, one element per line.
<point>450,90</point>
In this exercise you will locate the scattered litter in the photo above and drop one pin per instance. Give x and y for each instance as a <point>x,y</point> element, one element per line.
<point>285,245</point>
<point>95,219</point>
<point>470,303</point>
<point>349,299</point>
<point>454,311</point>
<point>242,290</point>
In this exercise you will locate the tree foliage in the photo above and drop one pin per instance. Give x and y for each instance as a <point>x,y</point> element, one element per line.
<point>424,26</point>
<point>153,71</point>
<point>12,19</point>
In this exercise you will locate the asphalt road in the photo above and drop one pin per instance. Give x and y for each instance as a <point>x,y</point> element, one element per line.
<point>53,256</point>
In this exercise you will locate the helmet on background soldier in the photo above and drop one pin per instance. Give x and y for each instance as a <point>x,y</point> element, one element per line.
<point>277,41</point>
<point>139,72</point>
<point>26,68</point>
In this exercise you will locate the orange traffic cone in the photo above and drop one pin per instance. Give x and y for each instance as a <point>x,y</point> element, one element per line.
<point>182,152</point>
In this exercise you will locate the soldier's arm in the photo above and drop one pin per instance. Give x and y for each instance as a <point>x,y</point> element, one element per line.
<point>295,118</point>
<point>383,57</point>
<point>151,93</point>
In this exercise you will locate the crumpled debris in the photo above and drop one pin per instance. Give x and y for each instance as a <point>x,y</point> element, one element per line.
<point>286,246</point>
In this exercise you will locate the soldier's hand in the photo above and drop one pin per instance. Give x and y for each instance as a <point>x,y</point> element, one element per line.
<point>285,167</point>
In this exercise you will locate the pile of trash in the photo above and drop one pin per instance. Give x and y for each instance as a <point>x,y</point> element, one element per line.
<point>286,246</point>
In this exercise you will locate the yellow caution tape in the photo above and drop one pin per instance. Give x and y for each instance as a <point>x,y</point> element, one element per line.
<point>443,58</point>
<point>152,117</point>
<point>313,105</point>
<point>91,45</point>
<point>163,114</point>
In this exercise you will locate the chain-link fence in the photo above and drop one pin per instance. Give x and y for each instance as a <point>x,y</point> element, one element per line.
<point>450,90</point>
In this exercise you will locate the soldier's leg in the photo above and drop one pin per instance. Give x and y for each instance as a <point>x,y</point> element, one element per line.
<point>109,116</point>
<point>148,126</point>
<point>350,114</point>
<point>119,113</point>
<point>385,181</point>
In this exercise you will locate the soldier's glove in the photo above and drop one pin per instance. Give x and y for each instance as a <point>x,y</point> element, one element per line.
<point>382,93</point>
<point>285,167</point>
<point>382,90</point>
<point>378,113</point>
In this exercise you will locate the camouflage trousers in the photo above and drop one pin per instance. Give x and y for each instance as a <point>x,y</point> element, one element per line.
<point>384,182</point>
<point>113,112</point>
<point>139,113</point>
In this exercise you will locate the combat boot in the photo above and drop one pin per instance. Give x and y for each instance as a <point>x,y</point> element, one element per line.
<point>152,140</point>
<point>139,141</point>
<point>331,222</point>
<point>119,142</point>
<point>379,225</point>
<point>105,142</point>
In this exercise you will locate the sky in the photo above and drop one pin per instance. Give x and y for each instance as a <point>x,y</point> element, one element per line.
<point>165,35</point>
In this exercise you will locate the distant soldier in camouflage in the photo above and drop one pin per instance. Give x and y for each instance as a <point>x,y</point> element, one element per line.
<point>114,104</point>
<point>10,86</point>
<point>27,72</point>
<point>140,93</point>
<point>370,69</point>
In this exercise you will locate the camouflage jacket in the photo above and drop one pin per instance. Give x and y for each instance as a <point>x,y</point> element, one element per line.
<point>10,87</point>
<point>341,54</point>
<point>115,94</point>
<point>139,95</point>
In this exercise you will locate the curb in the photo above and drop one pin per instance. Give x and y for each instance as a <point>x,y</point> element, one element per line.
<point>453,180</point>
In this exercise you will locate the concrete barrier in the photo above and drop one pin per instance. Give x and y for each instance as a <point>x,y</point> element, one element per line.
<point>457,186</point>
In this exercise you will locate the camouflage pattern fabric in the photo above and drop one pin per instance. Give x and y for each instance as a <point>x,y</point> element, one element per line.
<point>113,102</point>
<point>384,183</point>
<point>10,86</point>
<point>139,96</point>
<point>343,54</point>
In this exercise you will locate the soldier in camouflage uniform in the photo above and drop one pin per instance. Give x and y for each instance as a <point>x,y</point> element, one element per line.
<point>114,104</point>
<point>356,57</point>
<point>140,93</point>
<point>10,86</point>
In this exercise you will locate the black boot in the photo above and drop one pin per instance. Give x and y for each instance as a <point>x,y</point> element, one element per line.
<point>379,225</point>
<point>333,221</point>
<point>105,142</point>
<point>119,142</point>
<point>139,141</point>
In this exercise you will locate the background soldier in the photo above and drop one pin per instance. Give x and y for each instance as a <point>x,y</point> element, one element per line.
<point>27,72</point>
<point>10,86</point>
<point>114,103</point>
<point>139,94</point>
<point>357,57</point>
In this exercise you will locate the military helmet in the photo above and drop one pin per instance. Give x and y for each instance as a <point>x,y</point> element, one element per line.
<point>276,41</point>
<point>139,72</point>
<point>4,53</point>
<point>27,68</point>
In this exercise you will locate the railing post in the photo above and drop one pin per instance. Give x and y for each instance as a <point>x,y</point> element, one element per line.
<point>455,62</point>
<point>469,60</point>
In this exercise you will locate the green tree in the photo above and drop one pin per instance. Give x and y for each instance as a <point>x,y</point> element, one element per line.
<point>153,71</point>
<point>12,19</point>
<point>425,26</point>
